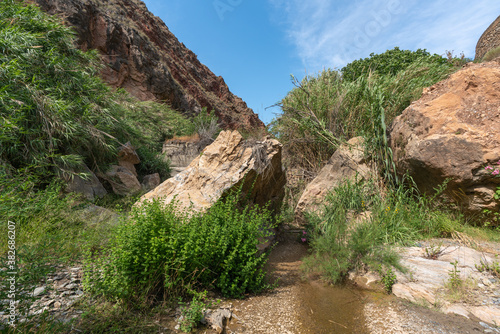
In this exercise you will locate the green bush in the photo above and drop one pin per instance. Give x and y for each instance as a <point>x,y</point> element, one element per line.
<point>163,252</point>
<point>55,111</point>
<point>390,62</point>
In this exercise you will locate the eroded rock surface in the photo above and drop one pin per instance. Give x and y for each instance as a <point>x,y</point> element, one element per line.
<point>147,60</point>
<point>347,163</point>
<point>224,165</point>
<point>181,151</point>
<point>428,281</point>
<point>490,39</point>
<point>453,131</point>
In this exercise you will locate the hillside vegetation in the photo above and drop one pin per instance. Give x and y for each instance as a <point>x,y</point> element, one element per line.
<point>56,116</point>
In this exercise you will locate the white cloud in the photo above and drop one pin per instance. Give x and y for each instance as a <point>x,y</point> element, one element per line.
<point>333,33</point>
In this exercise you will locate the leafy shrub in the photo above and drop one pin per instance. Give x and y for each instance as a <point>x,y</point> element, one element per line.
<point>152,162</point>
<point>388,278</point>
<point>192,314</point>
<point>164,252</point>
<point>390,62</point>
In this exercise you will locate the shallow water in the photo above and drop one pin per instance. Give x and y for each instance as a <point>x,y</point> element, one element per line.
<point>331,309</point>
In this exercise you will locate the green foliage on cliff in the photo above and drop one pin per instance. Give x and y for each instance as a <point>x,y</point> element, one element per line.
<point>390,62</point>
<point>55,111</point>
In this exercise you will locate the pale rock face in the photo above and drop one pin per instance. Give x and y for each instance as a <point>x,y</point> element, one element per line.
<point>347,163</point>
<point>426,281</point>
<point>223,166</point>
<point>453,131</point>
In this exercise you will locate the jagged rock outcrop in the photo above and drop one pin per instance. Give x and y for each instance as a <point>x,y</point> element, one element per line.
<point>128,157</point>
<point>490,39</point>
<point>347,163</point>
<point>146,59</point>
<point>224,165</point>
<point>453,132</point>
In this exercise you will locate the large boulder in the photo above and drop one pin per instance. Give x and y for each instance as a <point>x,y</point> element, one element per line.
<point>489,40</point>
<point>453,132</point>
<point>88,184</point>
<point>123,181</point>
<point>347,163</point>
<point>224,165</point>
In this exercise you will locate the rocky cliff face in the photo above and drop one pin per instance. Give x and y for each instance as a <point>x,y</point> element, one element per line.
<point>147,60</point>
<point>453,132</point>
<point>490,39</point>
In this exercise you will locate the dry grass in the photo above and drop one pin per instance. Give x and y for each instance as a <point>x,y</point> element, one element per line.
<point>492,54</point>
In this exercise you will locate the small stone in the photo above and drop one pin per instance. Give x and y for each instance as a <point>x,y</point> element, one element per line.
<point>486,281</point>
<point>71,286</point>
<point>38,291</point>
<point>50,302</point>
<point>57,305</point>
<point>485,325</point>
<point>76,269</point>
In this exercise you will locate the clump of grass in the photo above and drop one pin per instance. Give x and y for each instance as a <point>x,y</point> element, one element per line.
<point>492,54</point>
<point>332,107</point>
<point>493,267</point>
<point>458,289</point>
<point>339,244</point>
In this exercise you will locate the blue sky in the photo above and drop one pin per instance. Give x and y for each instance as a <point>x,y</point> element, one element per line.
<point>255,45</point>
